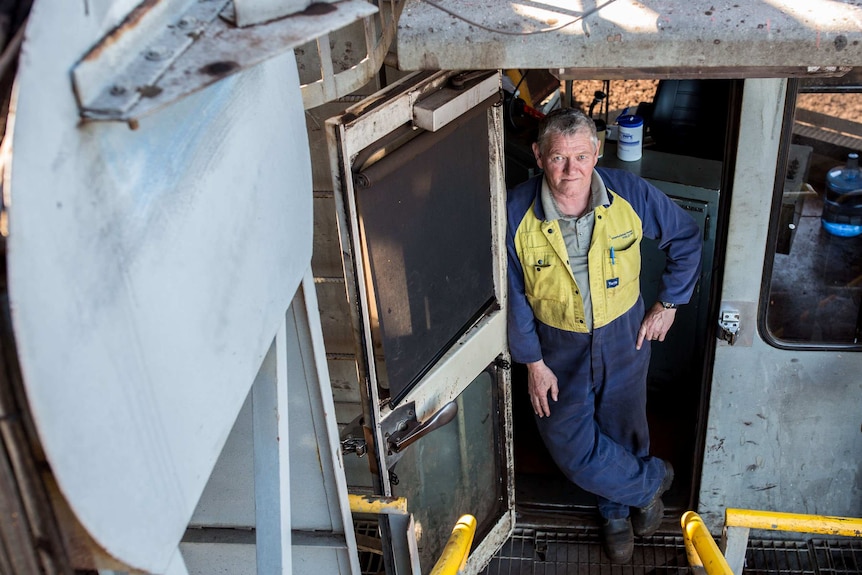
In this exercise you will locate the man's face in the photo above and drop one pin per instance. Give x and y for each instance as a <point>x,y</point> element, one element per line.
<point>568,163</point>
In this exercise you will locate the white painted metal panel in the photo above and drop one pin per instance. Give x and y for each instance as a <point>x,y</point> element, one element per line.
<point>292,512</point>
<point>767,404</point>
<point>228,499</point>
<point>251,12</point>
<point>318,488</point>
<point>149,271</point>
<point>215,559</point>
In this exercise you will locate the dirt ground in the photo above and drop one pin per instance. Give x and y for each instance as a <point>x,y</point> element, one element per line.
<point>622,94</point>
<point>631,92</point>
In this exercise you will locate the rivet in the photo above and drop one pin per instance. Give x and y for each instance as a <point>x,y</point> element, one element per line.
<point>186,22</point>
<point>118,90</point>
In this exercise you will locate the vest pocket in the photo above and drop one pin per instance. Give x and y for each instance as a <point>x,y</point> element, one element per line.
<point>543,274</point>
<point>622,267</point>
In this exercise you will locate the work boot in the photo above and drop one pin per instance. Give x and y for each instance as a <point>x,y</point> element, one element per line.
<point>646,520</point>
<point>618,540</point>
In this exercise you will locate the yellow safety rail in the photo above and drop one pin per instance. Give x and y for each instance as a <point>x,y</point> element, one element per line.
<point>454,555</point>
<point>457,549</point>
<point>704,556</point>
<point>701,549</point>
<point>820,524</point>
<point>377,505</point>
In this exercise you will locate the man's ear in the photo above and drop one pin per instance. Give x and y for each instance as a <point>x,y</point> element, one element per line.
<point>537,155</point>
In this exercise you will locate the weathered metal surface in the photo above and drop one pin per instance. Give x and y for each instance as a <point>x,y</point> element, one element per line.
<point>767,404</point>
<point>131,74</point>
<point>678,37</point>
<point>126,65</point>
<point>251,12</point>
<point>148,272</point>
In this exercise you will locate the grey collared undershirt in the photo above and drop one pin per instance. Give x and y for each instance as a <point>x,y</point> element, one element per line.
<point>577,233</point>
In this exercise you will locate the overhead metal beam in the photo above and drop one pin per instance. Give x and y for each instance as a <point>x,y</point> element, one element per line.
<point>622,38</point>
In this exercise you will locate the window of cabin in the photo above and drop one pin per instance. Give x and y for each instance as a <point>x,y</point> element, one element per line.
<point>815,282</point>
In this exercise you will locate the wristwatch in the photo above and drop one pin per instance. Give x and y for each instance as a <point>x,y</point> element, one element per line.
<point>667,305</point>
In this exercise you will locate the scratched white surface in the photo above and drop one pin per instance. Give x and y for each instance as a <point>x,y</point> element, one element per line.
<point>148,273</point>
<point>783,430</point>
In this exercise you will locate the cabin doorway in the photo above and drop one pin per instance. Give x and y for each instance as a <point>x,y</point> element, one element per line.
<point>687,130</point>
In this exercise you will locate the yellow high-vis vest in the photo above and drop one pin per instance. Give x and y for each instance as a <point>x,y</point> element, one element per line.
<point>614,261</point>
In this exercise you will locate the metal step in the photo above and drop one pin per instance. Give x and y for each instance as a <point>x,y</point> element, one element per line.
<point>579,551</point>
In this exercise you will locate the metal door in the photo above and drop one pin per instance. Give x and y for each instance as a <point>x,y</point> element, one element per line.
<point>421,204</point>
<point>783,423</point>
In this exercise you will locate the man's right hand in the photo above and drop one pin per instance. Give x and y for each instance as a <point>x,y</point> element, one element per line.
<point>541,381</point>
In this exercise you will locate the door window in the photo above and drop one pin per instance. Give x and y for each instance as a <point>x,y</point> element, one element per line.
<point>815,281</point>
<point>426,231</point>
<point>455,470</point>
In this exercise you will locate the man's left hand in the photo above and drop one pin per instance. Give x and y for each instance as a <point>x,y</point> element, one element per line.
<point>656,324</point>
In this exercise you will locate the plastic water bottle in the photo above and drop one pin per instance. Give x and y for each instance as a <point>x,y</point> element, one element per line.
<point>842,208</point>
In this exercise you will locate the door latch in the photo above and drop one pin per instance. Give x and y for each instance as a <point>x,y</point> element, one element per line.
<point>401,428</point>
<point>353,437</point>
<point>354,445</point>
<point>728,325</point>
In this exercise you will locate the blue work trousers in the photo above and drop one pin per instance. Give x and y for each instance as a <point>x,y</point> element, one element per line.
<point>597,432</point>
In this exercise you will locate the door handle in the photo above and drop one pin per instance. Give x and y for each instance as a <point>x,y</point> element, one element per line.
<point>413,431</point>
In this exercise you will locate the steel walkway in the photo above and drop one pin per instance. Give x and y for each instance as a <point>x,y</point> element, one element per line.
<point>578,551</point>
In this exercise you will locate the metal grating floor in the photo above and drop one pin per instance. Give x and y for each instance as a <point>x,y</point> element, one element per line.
<point>538,552</point>
<point>370,562</point>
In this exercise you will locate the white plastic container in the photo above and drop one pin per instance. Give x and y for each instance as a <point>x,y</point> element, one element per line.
<point>630,138</point>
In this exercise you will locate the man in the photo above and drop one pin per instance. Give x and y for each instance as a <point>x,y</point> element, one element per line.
<point>577,319</point>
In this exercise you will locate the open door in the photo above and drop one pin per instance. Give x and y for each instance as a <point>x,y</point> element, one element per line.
<point>421,205</point>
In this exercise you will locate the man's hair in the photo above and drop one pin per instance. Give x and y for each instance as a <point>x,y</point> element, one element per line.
<point>564,122</point>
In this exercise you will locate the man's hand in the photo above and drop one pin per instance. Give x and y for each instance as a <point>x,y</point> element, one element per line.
<point>541,381</point>
<point>656,324</point>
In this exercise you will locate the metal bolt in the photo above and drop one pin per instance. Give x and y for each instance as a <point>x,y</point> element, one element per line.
<point>187,22</point>
<point>156,54</point>
<point>118,90</point>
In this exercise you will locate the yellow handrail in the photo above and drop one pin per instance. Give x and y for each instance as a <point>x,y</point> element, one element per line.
<point>377,505</point>
<point>700,547</point>
<point>454,555</point>
<point>820,524</point>
<point>704,555</point>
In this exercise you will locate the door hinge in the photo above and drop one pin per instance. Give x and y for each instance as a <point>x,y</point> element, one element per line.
<point>728,325</point>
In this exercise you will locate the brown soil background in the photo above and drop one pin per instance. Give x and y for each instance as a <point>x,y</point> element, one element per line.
<point>842,106</point>
<point>629,93</point>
